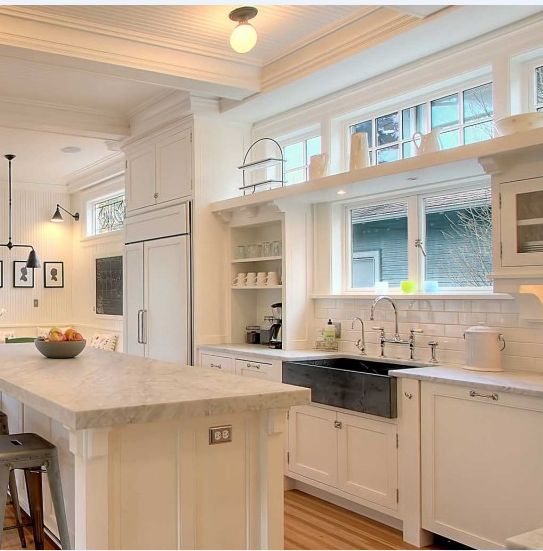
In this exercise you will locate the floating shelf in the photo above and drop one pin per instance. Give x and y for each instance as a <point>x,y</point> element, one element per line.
<point>256,259</point>
<point>530,222</point>
<point>253,287</point>
<point>264,163</point>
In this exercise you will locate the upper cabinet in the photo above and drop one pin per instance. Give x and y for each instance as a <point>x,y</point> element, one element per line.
<point>522,223</point>
<point>159,170</point>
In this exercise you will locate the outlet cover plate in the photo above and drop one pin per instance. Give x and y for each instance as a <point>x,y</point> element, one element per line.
<point>220,435</point>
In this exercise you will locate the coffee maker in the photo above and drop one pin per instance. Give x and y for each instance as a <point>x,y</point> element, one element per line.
<point>275,329</point>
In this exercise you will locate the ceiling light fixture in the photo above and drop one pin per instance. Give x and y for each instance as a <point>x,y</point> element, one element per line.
<point>57,217</point>
<point>243,37</point>
<point>341,192</point>
<point>33,261</point>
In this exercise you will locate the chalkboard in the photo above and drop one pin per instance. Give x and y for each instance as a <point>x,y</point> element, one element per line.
<point>109,286</point>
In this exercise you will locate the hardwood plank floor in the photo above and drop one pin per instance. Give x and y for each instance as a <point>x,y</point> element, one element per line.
<point>10,538</point>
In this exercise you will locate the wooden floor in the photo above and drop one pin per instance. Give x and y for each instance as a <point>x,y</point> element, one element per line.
<point>10,538</point>
<point>311,523</point>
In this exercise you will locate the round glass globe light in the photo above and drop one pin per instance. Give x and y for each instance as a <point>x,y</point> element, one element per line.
<point>243,38</point>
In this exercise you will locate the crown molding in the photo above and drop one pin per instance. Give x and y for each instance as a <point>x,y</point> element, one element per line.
<point>95,173</point>
<point>44,187</point>
<point>126,57</point>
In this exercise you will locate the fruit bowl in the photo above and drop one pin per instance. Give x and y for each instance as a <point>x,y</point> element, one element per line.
<point>61,349</point>
<point>518,123</point>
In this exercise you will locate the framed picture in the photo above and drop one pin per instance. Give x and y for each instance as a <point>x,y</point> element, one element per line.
<point>53,274</point>
<point>22,276</point>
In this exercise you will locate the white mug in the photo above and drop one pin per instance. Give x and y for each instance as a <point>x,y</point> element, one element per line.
<point>261,279</point>
<point>239,280</point>
<point>273,278</point>
<point>251,279</point>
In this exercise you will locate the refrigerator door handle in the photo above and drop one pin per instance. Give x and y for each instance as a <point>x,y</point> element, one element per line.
<point>144,327</point>
<point>140,312</point>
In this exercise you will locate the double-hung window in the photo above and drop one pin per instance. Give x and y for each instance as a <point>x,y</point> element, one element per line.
<point>106,215</point>
<point>462,117</point>
<point>444,237</point>
<point>538,88</point>
<point>297,156</point>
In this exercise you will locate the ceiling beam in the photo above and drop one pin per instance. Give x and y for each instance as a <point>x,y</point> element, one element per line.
<point>63,44</point>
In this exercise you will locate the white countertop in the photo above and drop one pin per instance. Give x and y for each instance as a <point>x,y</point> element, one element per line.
<point>101,389</point>
<point>516,382</point>
<point>263,351</point>
<point>528,540</point>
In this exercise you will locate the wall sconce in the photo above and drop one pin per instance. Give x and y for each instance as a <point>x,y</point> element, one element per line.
<point>57,217</point>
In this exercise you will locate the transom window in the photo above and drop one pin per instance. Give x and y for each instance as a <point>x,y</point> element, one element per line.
<point>463,117</point>
<point>538,81</point>
<point>106,215</point>
<point>297,155</point>
<point>444,238</point>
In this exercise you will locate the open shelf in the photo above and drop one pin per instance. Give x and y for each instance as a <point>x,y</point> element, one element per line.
<point>264,163</point>
<point>256,287</point>
<point>256,259</point>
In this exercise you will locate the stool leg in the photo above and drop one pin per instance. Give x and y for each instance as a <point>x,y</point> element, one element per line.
<point>55,485</point>
<point>4,481</point>
<point>35,502</point>
<point>15,500</point>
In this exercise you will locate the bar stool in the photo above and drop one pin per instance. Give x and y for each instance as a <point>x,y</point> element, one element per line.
<point>33,453</point>
<point>4,429</point>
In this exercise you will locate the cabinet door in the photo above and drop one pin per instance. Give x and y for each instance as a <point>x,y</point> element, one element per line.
<point>167,292</point>
<point>522,223</point>
<point>482,473</point>
<point>140,178</point>
<point>133,307</point>
<point>211,361</point>
<point>312,443</point>
<point>174,167</point>
<point>368,459</point>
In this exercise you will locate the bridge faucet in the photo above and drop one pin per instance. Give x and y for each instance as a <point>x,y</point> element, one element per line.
<point>372,313</point>
<point>360,343</point>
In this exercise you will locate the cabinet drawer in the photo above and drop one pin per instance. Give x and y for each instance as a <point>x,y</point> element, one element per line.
<point>253,368</point>
<point>217,362</point>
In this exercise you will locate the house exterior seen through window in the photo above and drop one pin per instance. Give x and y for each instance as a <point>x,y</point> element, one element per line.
<point>539,88</point>
<point>107,215</point>
<point>463,117</point>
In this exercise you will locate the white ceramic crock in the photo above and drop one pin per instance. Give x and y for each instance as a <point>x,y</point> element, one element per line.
<point>484,346</point>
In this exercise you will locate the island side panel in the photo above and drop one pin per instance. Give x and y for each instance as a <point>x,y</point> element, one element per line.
<point>171,489</point>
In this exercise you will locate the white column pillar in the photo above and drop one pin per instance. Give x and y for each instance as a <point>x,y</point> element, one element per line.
<point>90,449</point>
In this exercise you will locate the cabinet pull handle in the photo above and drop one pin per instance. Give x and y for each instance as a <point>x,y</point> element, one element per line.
<point>250,365</point>
<point>338,424</point>
<point>217,366</point>
<point>474,394</point>
<point>140,312</point>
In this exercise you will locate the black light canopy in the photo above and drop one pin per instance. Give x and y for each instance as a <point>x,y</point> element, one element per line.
<point>57,217</point>
<point>33,260</point>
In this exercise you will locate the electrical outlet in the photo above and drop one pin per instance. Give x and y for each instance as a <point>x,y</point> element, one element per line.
<point>220,435</point>
<point>36,303</point>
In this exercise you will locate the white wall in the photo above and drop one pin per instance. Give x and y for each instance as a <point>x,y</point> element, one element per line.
<point>85,251</point>
<point>32,210</point>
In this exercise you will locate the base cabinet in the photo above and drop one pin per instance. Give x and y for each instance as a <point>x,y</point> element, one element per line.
<point>482,473</point>
<point>257,367</point>
<point>353,454</point>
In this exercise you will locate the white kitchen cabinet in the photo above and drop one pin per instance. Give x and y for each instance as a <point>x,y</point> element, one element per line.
<point>159,170</point>
<point>522,222</point>
<point>482,473</point>
<point>251,368</point>
<point>157,320</point>
<point>211,361</point>
<point>313,443</point>
<point>368,459</point>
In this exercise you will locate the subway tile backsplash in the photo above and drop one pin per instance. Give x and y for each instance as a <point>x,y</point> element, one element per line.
<point>442,320</point>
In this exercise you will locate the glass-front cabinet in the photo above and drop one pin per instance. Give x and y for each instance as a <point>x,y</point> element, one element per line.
<point>522,222</point>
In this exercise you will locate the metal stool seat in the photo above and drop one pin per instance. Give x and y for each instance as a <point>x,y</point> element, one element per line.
<point>33,453</point>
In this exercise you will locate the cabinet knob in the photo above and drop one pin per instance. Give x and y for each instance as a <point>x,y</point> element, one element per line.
<point>155,195</point>
<point>338,424</point>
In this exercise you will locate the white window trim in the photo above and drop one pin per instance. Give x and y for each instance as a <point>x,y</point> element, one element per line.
<point>362,115</point>
<point>415,230</point>
<point>89,211</point>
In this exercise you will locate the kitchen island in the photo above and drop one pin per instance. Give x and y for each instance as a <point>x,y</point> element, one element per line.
<point>134,435</point>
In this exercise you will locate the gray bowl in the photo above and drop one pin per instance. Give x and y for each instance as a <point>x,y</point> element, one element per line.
<point>60,350</point>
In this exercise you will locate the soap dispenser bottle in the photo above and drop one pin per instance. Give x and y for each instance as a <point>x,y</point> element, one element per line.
<point>329,333</point>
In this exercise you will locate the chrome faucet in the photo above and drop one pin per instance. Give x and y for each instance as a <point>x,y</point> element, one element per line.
<point>360,343</point>
<point>372,313</point>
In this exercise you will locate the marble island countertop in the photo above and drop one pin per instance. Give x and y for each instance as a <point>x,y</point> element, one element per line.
<point>102,389</point>
<point>517,382</point>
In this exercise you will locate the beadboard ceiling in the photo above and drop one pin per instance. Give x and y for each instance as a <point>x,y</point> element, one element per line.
<point>205,29</point>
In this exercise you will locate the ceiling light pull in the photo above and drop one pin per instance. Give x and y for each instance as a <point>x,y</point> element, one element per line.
<point>33,260</point>
<point>243,37</point>
<point>57,217</point>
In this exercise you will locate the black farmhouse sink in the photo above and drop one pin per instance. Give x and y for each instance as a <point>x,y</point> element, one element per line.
<point>355,384</point>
